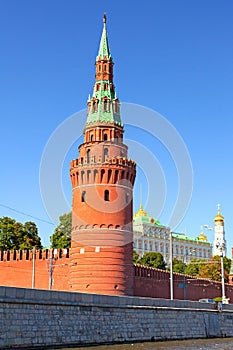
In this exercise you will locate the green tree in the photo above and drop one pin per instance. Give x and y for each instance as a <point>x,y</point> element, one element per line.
<point>29,237</point>
<point>15,235</point>
<point>153,259</point>
<point>212,269</point>
<point>227,264</point>
<point>61,238</point>
<point>7,234</point>
<point>136,257</point>
<point>178,266</point>
<point>194,267</point>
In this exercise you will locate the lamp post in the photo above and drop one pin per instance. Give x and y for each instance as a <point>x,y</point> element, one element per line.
<point>50,269</point>
<point>221,247</point>
<point>171,267</point>
<point>33,267</point>
<point>186,260</point>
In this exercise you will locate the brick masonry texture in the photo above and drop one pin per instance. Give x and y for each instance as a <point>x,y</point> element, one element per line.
<point>16,271</point>
<point>32,318</point>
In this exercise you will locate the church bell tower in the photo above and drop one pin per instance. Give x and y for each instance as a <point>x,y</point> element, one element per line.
<point>102,180</point>
<point>219,235</point>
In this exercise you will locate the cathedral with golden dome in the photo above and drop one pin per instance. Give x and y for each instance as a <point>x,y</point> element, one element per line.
<point>151,236</point>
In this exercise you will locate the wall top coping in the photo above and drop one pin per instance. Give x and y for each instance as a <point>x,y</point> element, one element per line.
<point>39,296</point>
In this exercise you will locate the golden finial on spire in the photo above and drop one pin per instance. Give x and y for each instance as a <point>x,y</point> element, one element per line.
<point>140,195</point>
<point>105,18</point>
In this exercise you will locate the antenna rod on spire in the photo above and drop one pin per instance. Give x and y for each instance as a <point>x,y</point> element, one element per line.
<point>141,194</point>
<point>105,18</point>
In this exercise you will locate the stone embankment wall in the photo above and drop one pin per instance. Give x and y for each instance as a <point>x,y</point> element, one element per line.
<point>31,318</point>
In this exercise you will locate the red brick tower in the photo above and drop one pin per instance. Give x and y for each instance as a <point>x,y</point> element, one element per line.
<point>102,181</point>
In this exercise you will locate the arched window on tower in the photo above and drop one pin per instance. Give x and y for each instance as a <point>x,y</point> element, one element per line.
<point>102,175</point>
<point>106,195</point>
<point>92,138</point>
<point>116,176</point>
<point>105,67</point>
<point>105,86</point>
<point>88,155</point>
<point>106,105</point>
<point>116,106</point>
<point>89,106</point>
<point>95,174</point>
<point>109,175</point>
<point>95,105</point>
<point>83,197</point>
<point>88,175</point>
<point>105,137</point>
<point>105,153</point>
<point>99,67</point>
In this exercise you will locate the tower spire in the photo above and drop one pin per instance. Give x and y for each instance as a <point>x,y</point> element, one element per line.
<point>104,50</point>
<point>104,106</point>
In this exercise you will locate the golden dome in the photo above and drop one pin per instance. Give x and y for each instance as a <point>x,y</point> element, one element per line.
<point>140,212</point>
<point>202,237</point>
<point>219,217</point>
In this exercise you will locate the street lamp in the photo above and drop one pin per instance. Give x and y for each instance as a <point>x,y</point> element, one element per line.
<point>221,246</point>
<point>171,267</point>
<point>185,260</point>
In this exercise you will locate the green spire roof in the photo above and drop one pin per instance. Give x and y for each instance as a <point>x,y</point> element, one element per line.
<point>104,50</point>
<point>104,106</point>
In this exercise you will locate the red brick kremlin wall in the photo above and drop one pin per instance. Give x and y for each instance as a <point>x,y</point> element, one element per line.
<point>155,283</point>
<point>16,269</point>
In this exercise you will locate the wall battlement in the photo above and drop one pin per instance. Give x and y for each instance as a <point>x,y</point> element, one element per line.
<point>41,254</point>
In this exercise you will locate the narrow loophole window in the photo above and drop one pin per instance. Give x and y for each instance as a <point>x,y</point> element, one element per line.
<point>88,156</point>
<point>83,198</point>
<point>106,195</point>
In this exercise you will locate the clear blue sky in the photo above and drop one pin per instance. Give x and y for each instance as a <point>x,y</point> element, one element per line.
<point>173,56</point>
